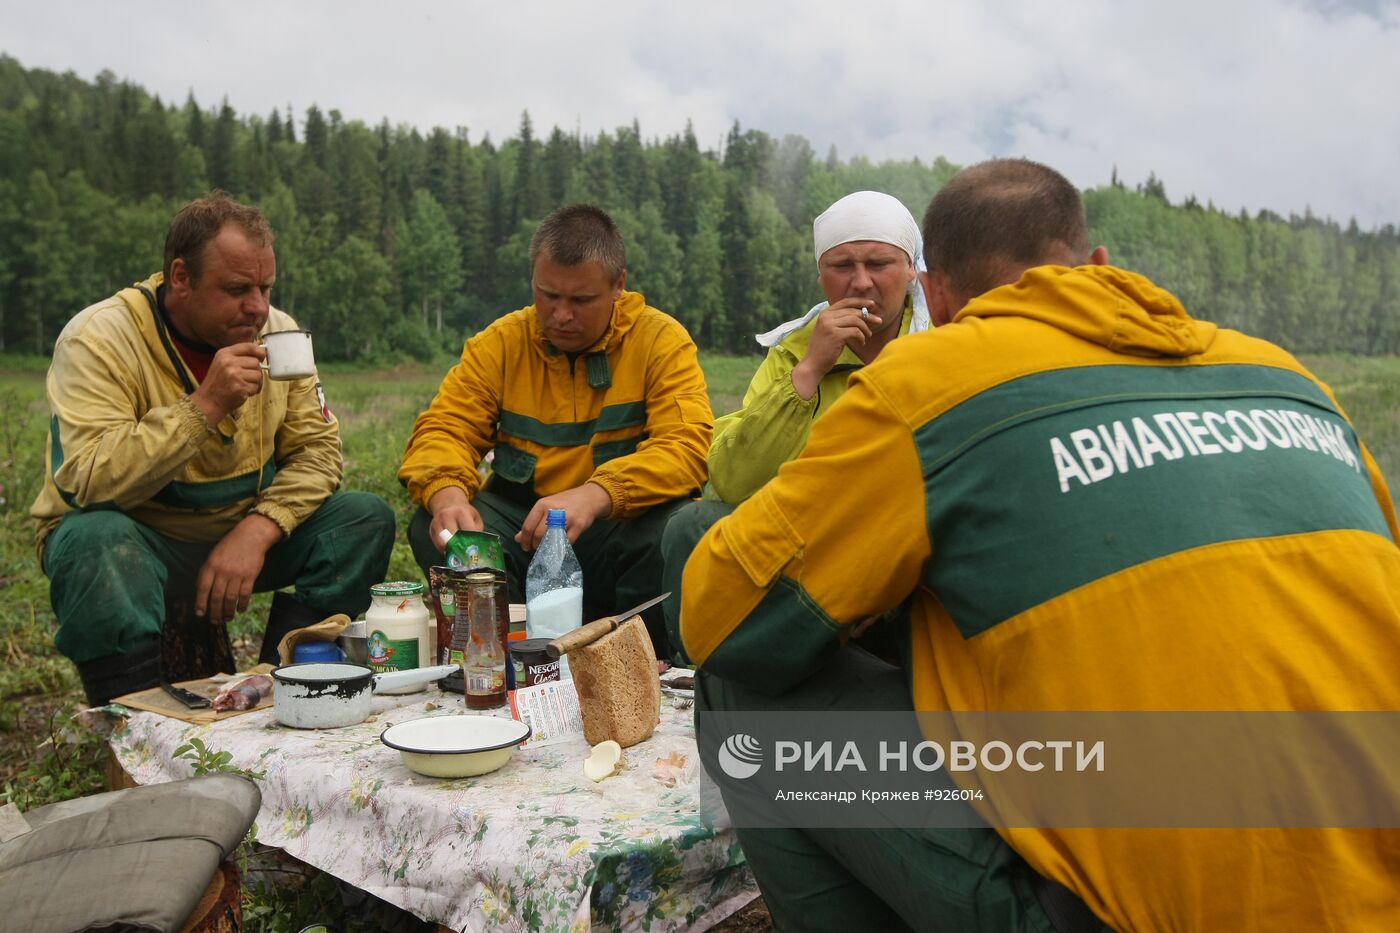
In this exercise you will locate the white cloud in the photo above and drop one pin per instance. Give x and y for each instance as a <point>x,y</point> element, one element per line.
<point>1257,103</point>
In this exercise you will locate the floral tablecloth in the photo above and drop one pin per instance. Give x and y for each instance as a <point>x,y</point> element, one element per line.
<point>533,846</point>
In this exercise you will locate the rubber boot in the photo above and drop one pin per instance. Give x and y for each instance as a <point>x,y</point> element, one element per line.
<point>287,615</point>
<point>118,674</point>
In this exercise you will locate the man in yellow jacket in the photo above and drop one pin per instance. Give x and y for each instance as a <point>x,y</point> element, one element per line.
<point>1112,507</point>
<point>175,466</point>
<point>592,401</point>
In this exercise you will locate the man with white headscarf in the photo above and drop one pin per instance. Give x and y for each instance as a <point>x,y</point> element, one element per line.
<point>867,248</point>
<point>868,251</point>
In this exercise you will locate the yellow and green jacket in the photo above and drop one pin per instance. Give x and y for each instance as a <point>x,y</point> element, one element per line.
<point>631,414</point>
<point>1112,507</point>
<point>772,425</point>
<point>124,435</point>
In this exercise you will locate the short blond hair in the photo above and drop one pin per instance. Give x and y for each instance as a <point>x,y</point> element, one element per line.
<point>200,221</point>
<point>577,234</point>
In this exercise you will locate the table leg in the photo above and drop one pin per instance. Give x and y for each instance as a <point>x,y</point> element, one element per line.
<point>117,778</point>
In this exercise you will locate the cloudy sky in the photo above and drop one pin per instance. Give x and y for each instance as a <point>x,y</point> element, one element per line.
<point>1284,104</point>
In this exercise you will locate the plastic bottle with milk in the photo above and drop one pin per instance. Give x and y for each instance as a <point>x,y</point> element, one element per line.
<point>554,587</point>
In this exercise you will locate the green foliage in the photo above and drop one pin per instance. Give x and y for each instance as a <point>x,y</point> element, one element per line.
<point>66,764</point>
<point>205,760</point>
<point>281,897</point>
<point>385,234</point>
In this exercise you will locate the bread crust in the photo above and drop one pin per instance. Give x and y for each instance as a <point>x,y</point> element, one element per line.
<point>619,692</point>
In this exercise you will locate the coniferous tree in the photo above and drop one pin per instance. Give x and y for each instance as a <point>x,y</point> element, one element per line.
<point>194,122</point>
<point>90,173</point>
<point>527,199</point>
<point>561,154</point>
<point>222,155</point>
<point>317,137</point>
<point>679,184</point>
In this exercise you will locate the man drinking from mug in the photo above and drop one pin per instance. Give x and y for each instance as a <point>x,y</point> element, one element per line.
<point>174,466</point>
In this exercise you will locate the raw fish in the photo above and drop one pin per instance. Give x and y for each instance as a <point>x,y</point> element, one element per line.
<point>244,694</point>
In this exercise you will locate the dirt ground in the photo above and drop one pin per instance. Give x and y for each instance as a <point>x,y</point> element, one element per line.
<point>752,919</point>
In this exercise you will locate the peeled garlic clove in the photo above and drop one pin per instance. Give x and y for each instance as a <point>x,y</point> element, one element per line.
<point>603,761</point>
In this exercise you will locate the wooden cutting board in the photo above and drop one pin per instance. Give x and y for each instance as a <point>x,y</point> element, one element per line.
<point>156,700</point>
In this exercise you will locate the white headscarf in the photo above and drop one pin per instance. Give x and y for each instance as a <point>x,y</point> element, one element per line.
<point>864,215</point>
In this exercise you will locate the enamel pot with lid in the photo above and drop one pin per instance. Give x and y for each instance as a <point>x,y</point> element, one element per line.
<point>329,695</point>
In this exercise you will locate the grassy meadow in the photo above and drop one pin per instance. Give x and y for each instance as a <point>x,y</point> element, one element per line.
<point>42,755</point>
<point>45,756</point>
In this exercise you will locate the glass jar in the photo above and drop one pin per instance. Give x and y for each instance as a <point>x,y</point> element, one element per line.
<point>399,631</point>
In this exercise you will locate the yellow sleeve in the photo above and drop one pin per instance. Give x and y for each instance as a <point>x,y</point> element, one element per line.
<point>308,460</point>
<point>772,590</point>
<point>104,450</point>
<point>670,463</point>
<point>770,429</point>
<point>451,437</point>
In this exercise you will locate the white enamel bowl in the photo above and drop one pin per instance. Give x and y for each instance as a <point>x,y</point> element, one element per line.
<point>455,746</point>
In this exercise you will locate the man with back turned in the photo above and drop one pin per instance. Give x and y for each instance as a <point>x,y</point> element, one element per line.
<point>1111,507</point>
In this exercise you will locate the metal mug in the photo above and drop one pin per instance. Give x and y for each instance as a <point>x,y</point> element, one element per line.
<point>289,354</point>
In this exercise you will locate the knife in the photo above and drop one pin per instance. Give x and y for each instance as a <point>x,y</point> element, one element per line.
<point>587,634</point>
<point>187,697</point>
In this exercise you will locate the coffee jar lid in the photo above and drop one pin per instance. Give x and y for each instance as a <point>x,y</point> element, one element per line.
<point>529,645</point>
<point>397,588</point>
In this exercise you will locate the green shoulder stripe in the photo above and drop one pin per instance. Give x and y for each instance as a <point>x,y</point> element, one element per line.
<point>1049,393</point>
<point>1055,480</point>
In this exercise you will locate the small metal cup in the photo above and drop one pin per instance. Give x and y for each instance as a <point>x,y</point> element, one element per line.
<point>356,648</point>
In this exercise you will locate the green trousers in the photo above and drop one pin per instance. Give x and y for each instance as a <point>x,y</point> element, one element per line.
<point>687,526</point>
<point>108,574</point>
<point>938,879</point>
<point>621,560</point>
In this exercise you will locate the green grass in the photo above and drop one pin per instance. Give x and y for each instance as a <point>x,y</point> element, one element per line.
<point>727,378</point>
<point>376,410</point>
<point>1368,388</point>
<point>42,757</point>
<point>45,757</point>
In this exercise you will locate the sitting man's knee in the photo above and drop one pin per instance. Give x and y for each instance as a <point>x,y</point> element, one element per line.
<point>688,525</point>
<point>96,545</point>
<point>98,527</point>
<point>368,507</point>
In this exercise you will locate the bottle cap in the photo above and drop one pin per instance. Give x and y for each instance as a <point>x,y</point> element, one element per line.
<point>556,518</point>
<point>397,588</point>
<point>444,536</point>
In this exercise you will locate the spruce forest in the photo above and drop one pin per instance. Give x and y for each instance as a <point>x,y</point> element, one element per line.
<point>393,243</point>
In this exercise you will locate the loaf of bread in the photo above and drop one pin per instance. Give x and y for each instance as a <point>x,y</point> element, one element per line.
<point>619,693</point>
